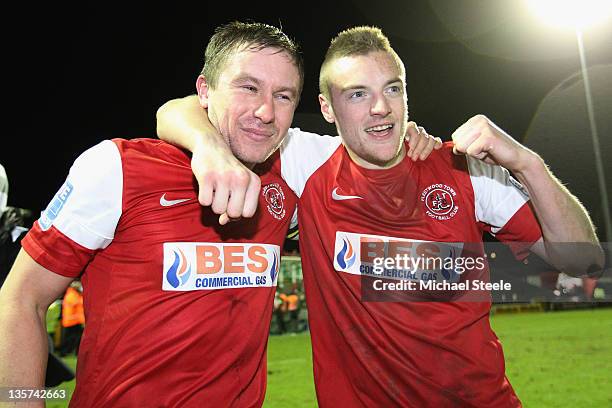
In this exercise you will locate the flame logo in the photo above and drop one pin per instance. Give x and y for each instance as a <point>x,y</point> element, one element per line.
<point>275,268</point>
<point>178,274</point>
<point>346,256</point>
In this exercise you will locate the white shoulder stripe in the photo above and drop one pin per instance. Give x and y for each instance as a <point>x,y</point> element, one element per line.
<point>302,153</point>
<point>88,206</point>
<point>497,195</point>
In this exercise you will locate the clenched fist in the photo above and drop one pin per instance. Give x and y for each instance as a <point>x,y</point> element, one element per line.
<point>482,139</point>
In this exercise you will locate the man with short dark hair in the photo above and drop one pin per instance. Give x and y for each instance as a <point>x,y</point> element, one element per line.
<point>178,310</point>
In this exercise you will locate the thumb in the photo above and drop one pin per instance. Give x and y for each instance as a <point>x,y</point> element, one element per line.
<point>457,152</point>
<point>224,219</point>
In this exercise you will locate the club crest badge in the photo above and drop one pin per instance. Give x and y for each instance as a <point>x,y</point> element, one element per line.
<point>275,200</point>
<point>439,202</point>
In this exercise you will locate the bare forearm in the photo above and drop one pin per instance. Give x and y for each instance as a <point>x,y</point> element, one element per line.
<point>568,232</point>
<point>23,346</point>
<point>184,123</point>
<point>225,183</point>
<point>25,297</point>
<point>561,216</point>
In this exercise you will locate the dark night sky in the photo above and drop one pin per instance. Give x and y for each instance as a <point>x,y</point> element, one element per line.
<point>78,75</point>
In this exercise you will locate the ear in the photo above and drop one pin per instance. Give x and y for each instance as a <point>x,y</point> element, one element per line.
<point>203,90</point>
<point>326,109</point>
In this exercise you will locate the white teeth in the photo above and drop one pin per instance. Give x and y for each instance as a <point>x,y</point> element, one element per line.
<point>379,128</point>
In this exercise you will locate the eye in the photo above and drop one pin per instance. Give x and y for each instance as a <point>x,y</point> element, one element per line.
<point>249,88</point>
<point>283,97</point>
<point>394,89</point>
<point>357,94</point>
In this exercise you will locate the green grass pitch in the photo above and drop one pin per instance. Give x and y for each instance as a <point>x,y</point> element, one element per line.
<point>560,359</point>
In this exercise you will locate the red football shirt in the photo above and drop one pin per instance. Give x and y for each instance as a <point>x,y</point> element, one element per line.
<point>177,307</point>
<point>409,354</point>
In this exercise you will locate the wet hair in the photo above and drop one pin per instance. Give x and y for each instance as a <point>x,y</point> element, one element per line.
<point>237,36</point>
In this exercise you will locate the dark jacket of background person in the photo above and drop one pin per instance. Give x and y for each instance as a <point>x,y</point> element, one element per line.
<point>14,223</point>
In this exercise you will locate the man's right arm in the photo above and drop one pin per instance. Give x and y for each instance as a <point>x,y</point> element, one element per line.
<point>224,182</point>
<point>25,297</point>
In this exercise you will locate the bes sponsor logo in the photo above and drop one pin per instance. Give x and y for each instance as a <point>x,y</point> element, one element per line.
<point>191,266</point>
<point>439,201</point>
<point>275,200</point>
<point>55,206</point>
<point>398,258</point>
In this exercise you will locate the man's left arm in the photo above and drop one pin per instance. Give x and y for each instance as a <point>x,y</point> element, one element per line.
<point>569,239</point>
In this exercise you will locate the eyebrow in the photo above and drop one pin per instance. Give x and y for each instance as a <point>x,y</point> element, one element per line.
<point>256,81</point>
<point>357,86</point>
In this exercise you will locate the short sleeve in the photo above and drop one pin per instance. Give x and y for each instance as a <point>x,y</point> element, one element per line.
<point>83,215</point>
<point>87,207</point>
<point>502,206</point>
<point>302,153</point>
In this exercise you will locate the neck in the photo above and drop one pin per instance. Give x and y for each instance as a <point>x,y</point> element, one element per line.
<point>378,165</point>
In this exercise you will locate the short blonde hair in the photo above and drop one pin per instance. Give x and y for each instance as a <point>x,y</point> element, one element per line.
<point>360,40</point>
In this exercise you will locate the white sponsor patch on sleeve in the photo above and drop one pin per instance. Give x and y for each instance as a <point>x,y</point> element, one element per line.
<point>55,206</point>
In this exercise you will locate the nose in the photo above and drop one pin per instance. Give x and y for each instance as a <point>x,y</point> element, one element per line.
<point>380,106</point>
<point>265,109</point>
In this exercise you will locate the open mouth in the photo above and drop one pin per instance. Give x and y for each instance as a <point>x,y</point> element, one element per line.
<point>380,130</point>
